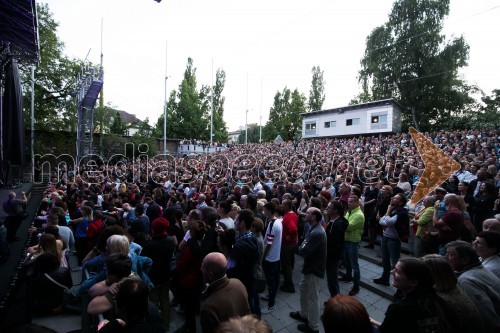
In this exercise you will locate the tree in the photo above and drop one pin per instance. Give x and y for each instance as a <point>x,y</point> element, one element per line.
<point>107,113</point>
<point>409,59</point>
<point>489,115</point>
<point>219,125</point>
<point>55,79</point>
<point>317,92</point>
<point>118,127</point>
<point>145,130</point>
<point>252,135</point>
<point>284,117</point>
<point>190,112</point>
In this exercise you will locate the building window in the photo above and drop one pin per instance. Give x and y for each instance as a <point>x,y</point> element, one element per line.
<point>353,121</point>
<point>310,129</point>
<point>379,122</point>
<point>379,119</point>
<point>310,126</point>
<point>329,124</point>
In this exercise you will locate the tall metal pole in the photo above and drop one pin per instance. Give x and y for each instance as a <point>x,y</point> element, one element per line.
<point>246,117</point>
<point>260,127</point>
<point>33,122</point>
<point>165,109</point>
<point>212,106</point>
<point>101,102</point>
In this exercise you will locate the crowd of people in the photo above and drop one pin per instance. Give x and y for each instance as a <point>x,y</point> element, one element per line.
<point>232,223</point>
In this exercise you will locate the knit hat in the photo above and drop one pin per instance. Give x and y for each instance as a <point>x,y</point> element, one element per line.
<point>159,227</point>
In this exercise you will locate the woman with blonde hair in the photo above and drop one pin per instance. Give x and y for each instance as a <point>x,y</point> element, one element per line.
<point>118,244</point>
<point>445,284</point>
<point>246,324</point>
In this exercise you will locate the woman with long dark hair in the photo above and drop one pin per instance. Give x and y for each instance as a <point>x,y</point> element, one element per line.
<point>420,310</point>
<point>485,201</point>
<point>470,202</point>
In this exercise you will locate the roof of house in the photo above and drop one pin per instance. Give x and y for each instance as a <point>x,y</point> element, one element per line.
<point>352,107</point>
<point>129,119</point>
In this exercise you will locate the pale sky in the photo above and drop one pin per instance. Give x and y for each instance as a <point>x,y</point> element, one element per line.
<point>262,45</point>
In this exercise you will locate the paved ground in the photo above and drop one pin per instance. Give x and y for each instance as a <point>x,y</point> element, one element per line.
<point>374,297</point>
<point>280,320</point>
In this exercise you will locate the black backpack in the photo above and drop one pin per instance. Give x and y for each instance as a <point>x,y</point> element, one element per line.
<point>402,225</point>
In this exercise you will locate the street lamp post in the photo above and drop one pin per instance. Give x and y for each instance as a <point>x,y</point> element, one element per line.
<point>246,127</point>
<point>165,121</point>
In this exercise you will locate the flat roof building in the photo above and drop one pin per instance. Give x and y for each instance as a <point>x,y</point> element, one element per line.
<point>383,116</point>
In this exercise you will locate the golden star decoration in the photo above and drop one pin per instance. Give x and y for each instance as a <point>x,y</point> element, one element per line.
<point>438,166</point>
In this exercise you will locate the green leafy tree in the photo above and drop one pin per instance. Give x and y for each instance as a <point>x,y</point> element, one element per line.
<point>489,115</point>
<point>253,135</point>
<point>107,113</point>
<point>284,117</point>
<point>190,112</point>
<point>55,79</point>
<point>118,127</point>
<point>409,59</point>
<point>317,92</point>
<point>145,130</point>
<point>219,125</point>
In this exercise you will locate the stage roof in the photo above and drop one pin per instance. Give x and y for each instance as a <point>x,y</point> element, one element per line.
<point>19,30</point>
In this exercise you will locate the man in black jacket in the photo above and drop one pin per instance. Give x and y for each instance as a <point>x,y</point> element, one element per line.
<point>335,233</point>
<point>160,249</point>
<point>242,263</point>
<point>313,249</point>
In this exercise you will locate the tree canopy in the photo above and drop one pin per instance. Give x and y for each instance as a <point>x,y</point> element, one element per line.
<point>118,127</point>
<point>408,58</point>
<point>55,79</point>
<point>188,109</point>
<point>284,116</point>
<point>317,92</point>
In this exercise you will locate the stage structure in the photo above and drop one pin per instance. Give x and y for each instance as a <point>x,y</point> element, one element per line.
<point>19,47</point>
<point>89,85</point>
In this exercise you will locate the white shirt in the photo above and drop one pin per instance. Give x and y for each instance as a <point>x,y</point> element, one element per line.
<point>228,222</point>
<point>273,238</point>
<point>257,187</point>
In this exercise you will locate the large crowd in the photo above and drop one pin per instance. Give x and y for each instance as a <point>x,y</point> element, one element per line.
<point>232,223</point>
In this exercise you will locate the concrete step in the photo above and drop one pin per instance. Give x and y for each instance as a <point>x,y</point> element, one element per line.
<point>370,264</point>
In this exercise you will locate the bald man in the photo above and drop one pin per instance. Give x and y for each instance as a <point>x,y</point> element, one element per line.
<point>491,225</point>
<point>218,307</point>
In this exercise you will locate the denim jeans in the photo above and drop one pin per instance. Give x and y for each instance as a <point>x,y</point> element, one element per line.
<point>332,277</point>
<point>351,262</point>
<point>272,273</point>
<point>391,251</point>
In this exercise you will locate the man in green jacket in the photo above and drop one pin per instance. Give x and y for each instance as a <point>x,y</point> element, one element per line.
<point>356,220</point>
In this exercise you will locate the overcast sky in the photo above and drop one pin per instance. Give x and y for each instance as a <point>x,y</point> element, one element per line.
<point>262,45</point>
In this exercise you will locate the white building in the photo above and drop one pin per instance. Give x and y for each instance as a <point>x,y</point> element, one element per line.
<point>232,137</point>
<point>382,116</point>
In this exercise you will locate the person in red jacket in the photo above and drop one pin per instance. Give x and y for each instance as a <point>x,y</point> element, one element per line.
<point>93,229</point>
<point>288,243</point>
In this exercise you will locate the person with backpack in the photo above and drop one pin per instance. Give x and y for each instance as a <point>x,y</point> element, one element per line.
<point>396,226</point>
